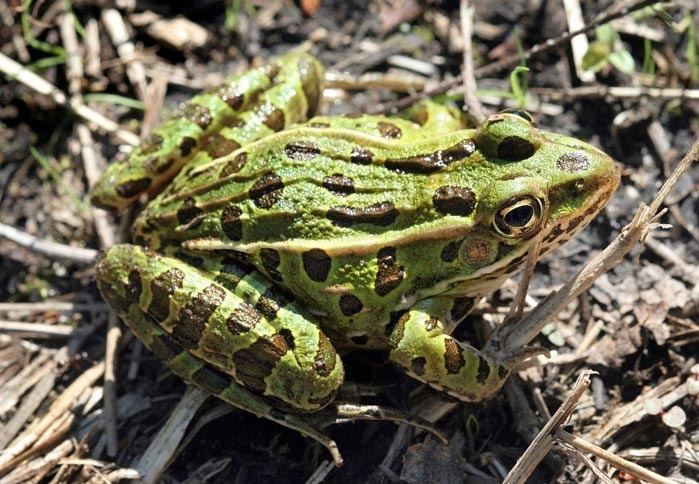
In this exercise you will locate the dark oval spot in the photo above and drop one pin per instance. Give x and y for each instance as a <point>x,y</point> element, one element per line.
<point>275,120</point>
<point>515,148</point>
<point>454,200</point>
<point>231,224</point>
<point>350,304</point>
<point>337,183</point>
<point>267,190</point>
<point>234,165</point>
<point>382,214</point>
<point>316,263</point>
<point>389,130</point>
<point>231,96</point>
<point>187,145</point>
<point>188,212</point>
<point>573,162</point>
<point>301,150</point>
<point>132,188</point>
<point>450,252</point>
<point>361,156</point>
<point>453,359</point>
<point>217,146</point>
<point>431,162</point>
<point>199,115</point>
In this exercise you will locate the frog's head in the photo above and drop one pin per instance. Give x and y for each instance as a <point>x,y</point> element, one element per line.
<point>540,182</point>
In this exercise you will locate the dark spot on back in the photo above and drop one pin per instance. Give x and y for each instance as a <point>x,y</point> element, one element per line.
<point>234,165</point>
<point>382,214</point>
<point>267,190</point>
<point>188,212</point>
<point>361,156</point>
<point>515,148</point>
<point>350,304</point>
<point>231,224</point>
<point>454,200</point>
<point>231,96</point>
<point>217,146</point>
<point>433,161</point>
<point>389,130</point>
<point>301,150</point>
<point>199,115</point>
<point>186,146</point>
<point>337,183</point>
<point>275,120</point>
<point>132,188</point>
<point>316,263</point>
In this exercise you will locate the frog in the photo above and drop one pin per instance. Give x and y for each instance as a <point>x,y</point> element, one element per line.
<point>275,240</point>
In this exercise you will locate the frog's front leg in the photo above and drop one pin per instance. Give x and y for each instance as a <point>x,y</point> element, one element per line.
<point>420,344</point>
<point>224,321</point>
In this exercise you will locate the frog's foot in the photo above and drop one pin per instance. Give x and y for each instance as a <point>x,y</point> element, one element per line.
<point>420,344</point>
<point>339,412</point>
<point>261,342</point>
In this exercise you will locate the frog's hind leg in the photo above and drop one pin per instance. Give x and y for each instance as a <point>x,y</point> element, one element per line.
<point>196,323</point>
<point>215,123</point>
<point>222,385</point>
<point>421,345</point>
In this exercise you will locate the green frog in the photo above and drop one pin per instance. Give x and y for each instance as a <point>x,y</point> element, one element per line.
<point>274,241</point>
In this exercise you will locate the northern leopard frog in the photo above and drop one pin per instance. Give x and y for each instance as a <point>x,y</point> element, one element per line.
<point>273,240</point>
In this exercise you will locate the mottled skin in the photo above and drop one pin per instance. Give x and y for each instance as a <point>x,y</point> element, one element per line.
<point>277,244</point>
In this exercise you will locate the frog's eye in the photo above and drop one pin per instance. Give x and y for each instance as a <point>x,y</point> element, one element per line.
<point>509,137</point>
<point>519,216</point>
<point>521,113</point>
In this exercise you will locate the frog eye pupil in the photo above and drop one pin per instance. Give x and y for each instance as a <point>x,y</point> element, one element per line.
<point>519,216</point>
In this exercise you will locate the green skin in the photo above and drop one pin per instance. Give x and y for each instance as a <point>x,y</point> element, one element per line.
<point>283,239</point>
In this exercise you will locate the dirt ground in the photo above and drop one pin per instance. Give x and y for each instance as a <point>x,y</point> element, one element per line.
<point>81,400</point>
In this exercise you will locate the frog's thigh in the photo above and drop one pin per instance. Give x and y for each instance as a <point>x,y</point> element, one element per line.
<point>420,345</point>
<point>171,305</point>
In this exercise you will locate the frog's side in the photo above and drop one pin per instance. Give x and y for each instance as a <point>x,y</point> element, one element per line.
<point>377,232</point>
